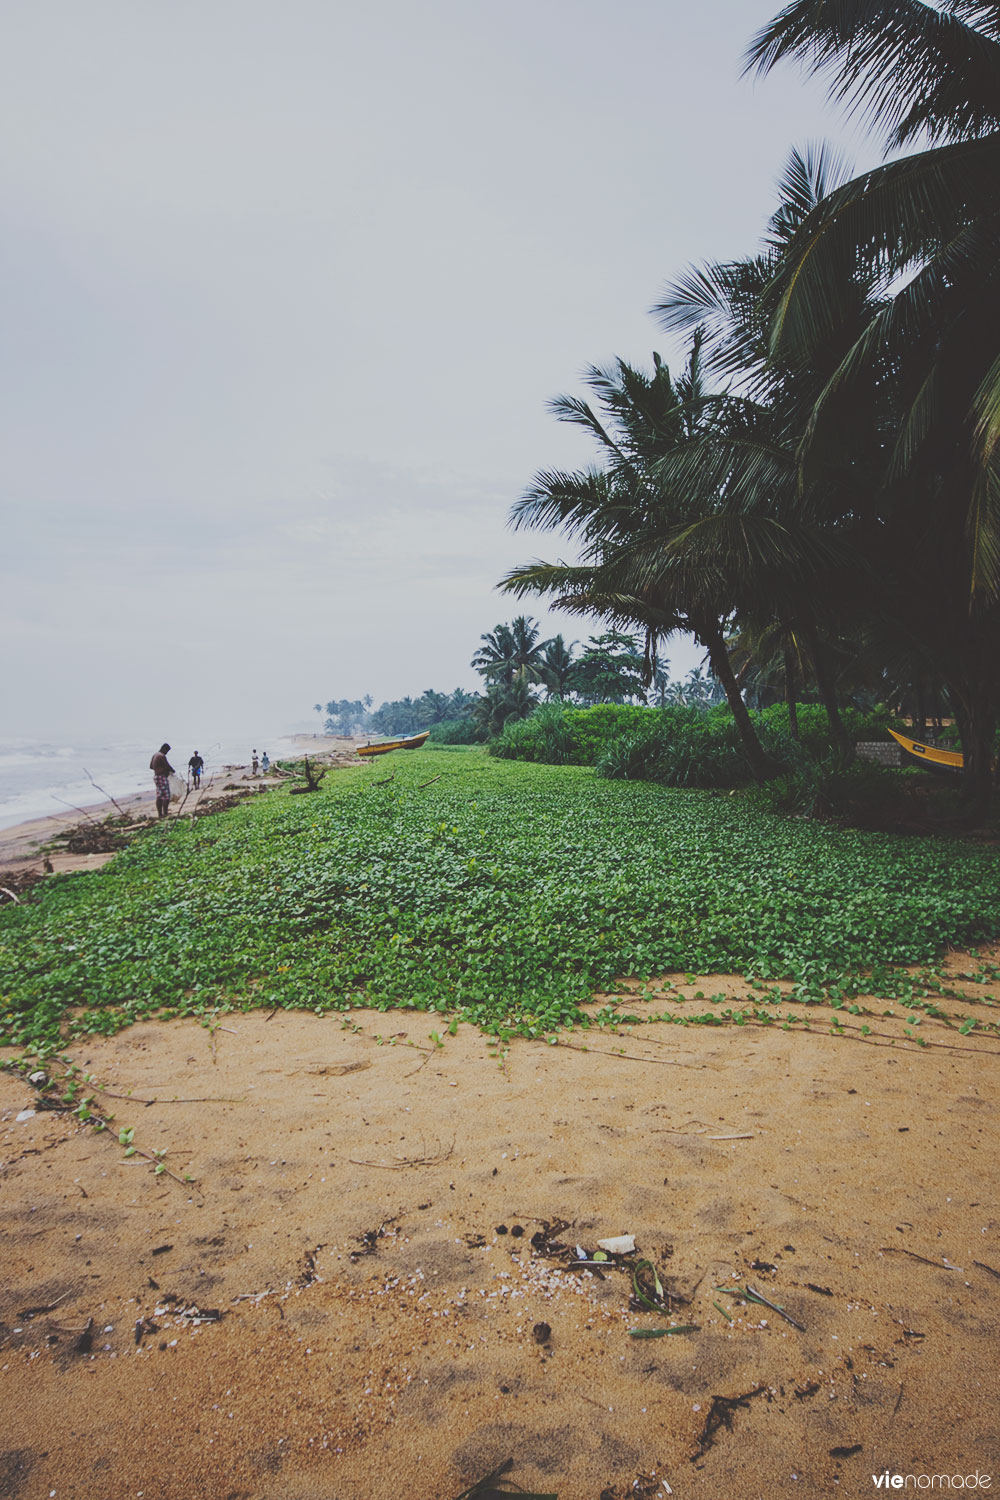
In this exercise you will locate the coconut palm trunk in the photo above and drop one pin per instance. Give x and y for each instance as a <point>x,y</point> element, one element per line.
<point>975,708</point>
<point>709,632</point>
<point>820,658</point>
<point>790,699</point>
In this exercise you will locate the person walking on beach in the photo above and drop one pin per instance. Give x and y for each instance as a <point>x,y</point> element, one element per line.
<point>162,771</point>
<point>196,765</point>
<point>265,763</point>
<point>253,764</point>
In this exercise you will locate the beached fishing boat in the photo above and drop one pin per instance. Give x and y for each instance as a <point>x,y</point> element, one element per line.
<point>408,742</point>
<point>927,756</point>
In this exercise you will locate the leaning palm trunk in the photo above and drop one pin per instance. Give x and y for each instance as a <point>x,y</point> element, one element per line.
<point>709,632</point>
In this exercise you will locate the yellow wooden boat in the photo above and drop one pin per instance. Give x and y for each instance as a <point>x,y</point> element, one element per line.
<point>408,742</point>
<point>928,756</point>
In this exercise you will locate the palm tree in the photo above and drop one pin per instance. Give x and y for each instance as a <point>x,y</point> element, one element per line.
<point>556,671</point>
<point>508,649</point>
<point>504,701</point>
<point>461,703</point>
<point>927,226</point>
<point>432,707</point>
<point>627,520</point>
<point>794,555</point>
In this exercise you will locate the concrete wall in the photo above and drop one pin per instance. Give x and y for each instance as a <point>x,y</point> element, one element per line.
<point>882,752</point>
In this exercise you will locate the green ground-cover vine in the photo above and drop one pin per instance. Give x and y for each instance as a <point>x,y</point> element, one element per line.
<point>508,892</point>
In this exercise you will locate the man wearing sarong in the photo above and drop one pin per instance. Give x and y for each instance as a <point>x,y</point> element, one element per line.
<point>162,771</point>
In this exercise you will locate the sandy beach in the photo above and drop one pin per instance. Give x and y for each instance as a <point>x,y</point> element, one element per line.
<point>25,846</point>
<point>367,1288</point>
<point>337,1254</point>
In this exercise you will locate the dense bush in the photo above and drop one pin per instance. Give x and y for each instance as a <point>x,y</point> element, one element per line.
<point>544,735</point>
<point>594,728</point>
<point>684,747</point>
<point>557,734</point>
<point>456,732</point>
<point>814,724</point>
<point>680,745</point>
<point>818,785</point>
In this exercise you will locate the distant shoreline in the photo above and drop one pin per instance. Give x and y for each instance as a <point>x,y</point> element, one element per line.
<point>21,846</point>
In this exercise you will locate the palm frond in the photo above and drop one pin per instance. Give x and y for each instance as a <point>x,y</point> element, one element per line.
<point>727,560</point>
<point>571,500</point>
<point>984,536</point>
<point>907,67</point>
<point>581,414</point>
<point>809,175</point>
<point>923,324</point>
<point>888,219</point>
<point>984,15</point>
<point>987,410</point>
<point>722,303</point>
<point>741,472</point>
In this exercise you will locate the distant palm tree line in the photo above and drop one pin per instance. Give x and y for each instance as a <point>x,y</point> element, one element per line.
<point>519,669</point>
<point>816,496</point>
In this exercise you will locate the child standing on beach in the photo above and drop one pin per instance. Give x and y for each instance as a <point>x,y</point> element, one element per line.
<point>253,764</point>
<point>265,763</point>
<point>196,765</point>
<point>162,771</point>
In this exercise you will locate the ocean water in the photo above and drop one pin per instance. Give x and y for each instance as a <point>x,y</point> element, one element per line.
<point>39,778</point>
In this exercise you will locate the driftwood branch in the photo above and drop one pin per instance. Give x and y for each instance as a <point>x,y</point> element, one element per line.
<point>104,793</point>
<point>313,778</point>
<point>81,810</point>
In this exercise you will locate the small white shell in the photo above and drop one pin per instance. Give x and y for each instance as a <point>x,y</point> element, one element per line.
<point>620,1244</point>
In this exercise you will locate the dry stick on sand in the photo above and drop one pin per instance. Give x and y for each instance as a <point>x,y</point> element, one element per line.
<point>6,891</point>
<point>428,1054</point>
<point>939,1265</point>
<point>848,1033</point>
<point>983,1267</point>
<point>660,1062</point>
<point>202,1099</point>
<point>408,1161</point>
<point>34,1312</point>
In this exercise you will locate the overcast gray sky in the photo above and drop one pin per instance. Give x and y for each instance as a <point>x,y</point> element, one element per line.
<point>286,288</point>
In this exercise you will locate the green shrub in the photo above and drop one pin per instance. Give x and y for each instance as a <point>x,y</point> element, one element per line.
<point>558,734</point>
<point>687,746</point>
<point>543,736</point>
<point>825,785</point>
<point>593,729</point>
<point>684,747</point>
<point>456,732</point>
<point>814,724</point>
